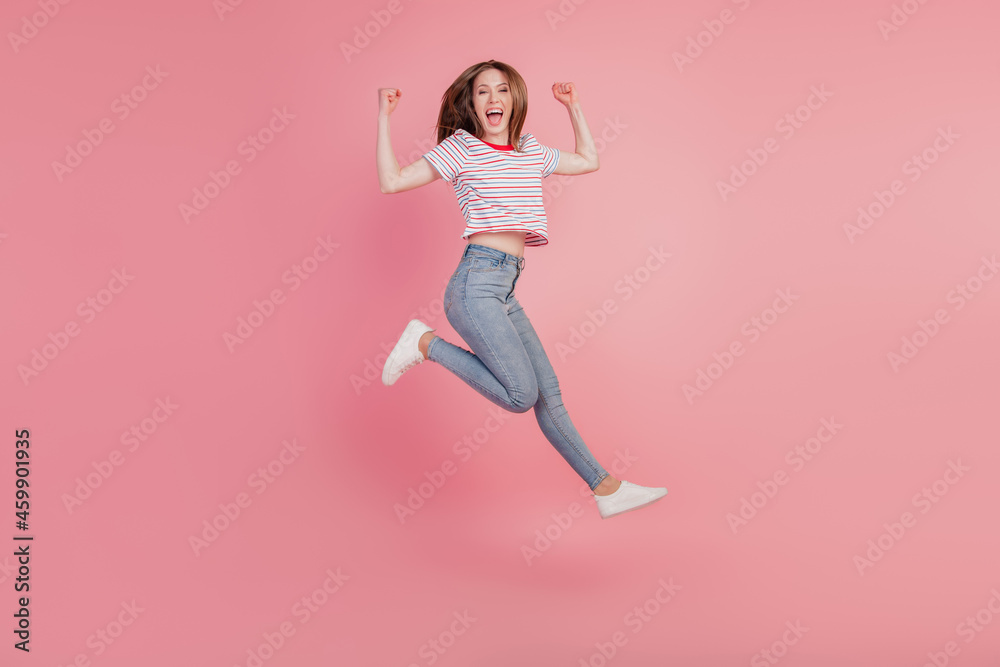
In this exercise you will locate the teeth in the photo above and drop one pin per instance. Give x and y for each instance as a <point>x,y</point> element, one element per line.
<point>493,111</point>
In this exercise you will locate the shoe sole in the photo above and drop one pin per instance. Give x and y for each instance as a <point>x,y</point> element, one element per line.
<point>637,507</point>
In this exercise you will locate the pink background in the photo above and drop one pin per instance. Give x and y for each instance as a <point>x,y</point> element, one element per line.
<point>362,446</point>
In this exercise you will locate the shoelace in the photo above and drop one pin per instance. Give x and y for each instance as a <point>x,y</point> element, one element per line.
<point>411,363</point>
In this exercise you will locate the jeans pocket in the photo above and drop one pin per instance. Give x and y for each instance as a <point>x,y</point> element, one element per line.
<point>484,264</point>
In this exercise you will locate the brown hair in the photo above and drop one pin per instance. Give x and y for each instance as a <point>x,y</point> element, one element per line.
<point>458,112</point>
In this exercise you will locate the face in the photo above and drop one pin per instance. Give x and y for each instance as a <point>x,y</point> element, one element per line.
<point>491,91</point>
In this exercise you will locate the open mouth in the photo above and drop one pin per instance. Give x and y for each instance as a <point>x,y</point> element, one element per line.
<point>494,116</point>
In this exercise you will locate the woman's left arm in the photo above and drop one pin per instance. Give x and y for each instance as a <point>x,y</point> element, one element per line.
<point>584,160</point>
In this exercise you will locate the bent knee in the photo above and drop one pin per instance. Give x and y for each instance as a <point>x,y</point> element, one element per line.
<point>525,400</point>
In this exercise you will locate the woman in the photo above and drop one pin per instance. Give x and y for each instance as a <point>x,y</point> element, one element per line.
<point>496,172</point>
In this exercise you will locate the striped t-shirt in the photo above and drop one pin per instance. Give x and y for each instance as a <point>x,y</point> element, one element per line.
<point>498,189</point>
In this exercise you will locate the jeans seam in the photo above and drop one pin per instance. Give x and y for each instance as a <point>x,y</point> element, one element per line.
<point>454,287</point>
<point>468,312</point>
<point>600,480</point>
<point>505,401</point>
<point>572,444</point>
<point>513,283</point>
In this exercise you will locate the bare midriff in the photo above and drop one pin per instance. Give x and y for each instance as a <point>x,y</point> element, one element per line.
<point>509,242</point>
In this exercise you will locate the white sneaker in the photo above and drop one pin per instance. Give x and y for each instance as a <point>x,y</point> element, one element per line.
<point>406,354</point>
<point>628,497</point>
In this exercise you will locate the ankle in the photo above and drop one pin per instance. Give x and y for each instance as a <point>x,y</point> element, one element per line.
<point>424,344</point>
<point>607,486</point>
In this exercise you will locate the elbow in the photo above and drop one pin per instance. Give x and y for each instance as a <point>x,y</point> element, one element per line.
<point>386,189</point>
<point>594,166</point>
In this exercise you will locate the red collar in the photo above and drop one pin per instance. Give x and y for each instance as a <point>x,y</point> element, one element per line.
<point>499,147</point>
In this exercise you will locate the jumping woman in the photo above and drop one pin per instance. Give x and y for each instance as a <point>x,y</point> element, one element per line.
<point>497,175</point>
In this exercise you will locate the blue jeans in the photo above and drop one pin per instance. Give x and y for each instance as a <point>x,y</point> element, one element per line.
<point>507,364</point>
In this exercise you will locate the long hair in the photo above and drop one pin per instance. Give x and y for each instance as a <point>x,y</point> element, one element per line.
<point>458,111</point>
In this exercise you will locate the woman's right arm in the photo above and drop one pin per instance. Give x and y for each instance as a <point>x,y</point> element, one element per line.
<point>390,177</point>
